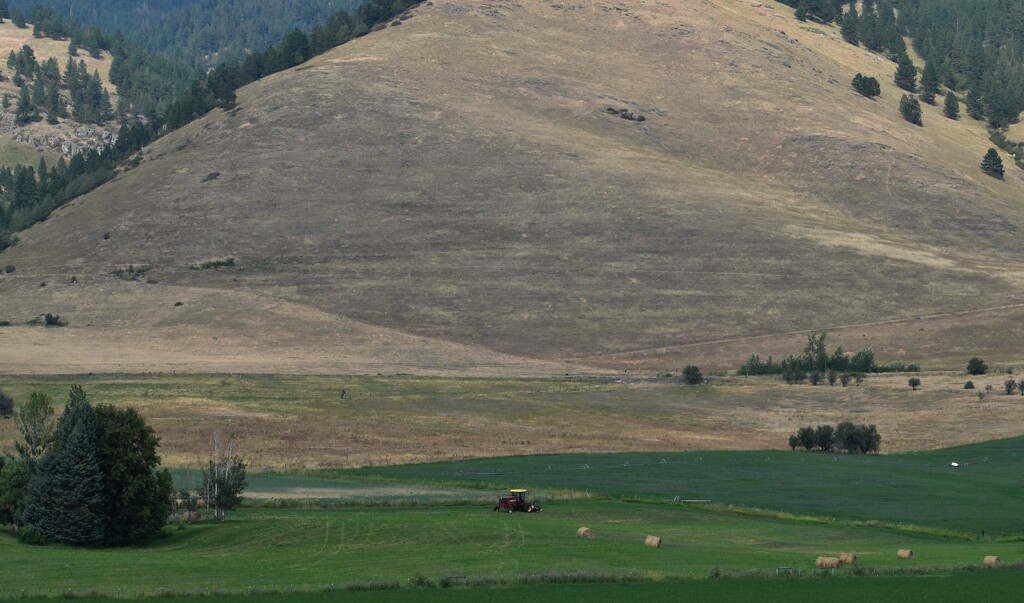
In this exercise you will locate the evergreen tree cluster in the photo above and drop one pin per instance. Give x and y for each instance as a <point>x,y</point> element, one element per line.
<point>203,33</point>
<point>846,436</point>
<point>976,45</point>
<point>89,100</point>
<point>95,482</point>
<point>146,83</point>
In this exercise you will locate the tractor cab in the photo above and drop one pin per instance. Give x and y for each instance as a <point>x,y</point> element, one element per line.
<point>516,501</point>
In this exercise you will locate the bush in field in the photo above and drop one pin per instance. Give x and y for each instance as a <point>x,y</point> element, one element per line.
<point>692,376</point>
<point>976,366</point>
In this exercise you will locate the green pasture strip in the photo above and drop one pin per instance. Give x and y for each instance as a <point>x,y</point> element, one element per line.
<point>923,489</point>
<point>300,390</point>
<point>296,549</point>
<point>952,587</point>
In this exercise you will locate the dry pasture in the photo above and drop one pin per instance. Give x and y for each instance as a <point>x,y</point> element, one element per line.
<point>289,422</point>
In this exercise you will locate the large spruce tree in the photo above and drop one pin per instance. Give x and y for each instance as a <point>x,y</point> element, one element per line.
<point>991,164</point>
<point>929,83</point>
<point>64,502</point>
<point>906,73</point>
<point>951,108</point>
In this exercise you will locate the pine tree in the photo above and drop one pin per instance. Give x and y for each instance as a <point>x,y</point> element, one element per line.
<point>869,34</point>
<point>974,106</point>
<point>951,108</point>
<point>910,109</point>
<point>64,501</point>
<point>26,113</point>
<point>38,93</point>
<point>906,73</point>
<point>851,26</point>
<point>991,164</point>
<point>5,11</point>
<point>929,83</point>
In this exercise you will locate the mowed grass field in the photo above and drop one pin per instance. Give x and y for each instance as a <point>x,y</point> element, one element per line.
<point>309,422</point>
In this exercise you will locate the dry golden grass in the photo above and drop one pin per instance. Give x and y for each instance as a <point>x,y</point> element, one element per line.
<point>453,194</point>
<point>294,421</point>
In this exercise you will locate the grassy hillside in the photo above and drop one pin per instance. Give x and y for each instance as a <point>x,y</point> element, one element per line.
<point>451,195</point>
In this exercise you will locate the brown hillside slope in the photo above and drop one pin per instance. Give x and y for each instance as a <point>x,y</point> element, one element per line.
<point>452,192</point>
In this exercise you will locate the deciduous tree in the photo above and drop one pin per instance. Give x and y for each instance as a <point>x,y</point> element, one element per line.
<point>224,479</point>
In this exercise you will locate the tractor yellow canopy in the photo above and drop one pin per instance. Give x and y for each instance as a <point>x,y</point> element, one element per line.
<point>518,491</point>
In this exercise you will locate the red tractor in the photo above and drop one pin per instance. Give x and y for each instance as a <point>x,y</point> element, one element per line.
<point>516,501</point>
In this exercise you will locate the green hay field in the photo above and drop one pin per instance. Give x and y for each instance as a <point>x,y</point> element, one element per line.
<point>923,489</point>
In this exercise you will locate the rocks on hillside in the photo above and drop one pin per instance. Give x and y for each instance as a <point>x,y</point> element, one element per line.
<point>70,138</point>
<point>625,114</point>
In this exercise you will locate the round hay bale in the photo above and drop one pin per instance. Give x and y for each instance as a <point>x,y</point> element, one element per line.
<point>992,561</point>
<point>653,542</point>
<point>848,558</point>
<point>904,553</point>
<point>201,504</point>
<point>585,534</point>
<point>828,562</point>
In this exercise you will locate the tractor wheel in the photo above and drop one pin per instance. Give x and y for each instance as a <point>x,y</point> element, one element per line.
<point>510,509</point>
<point>496,507</point>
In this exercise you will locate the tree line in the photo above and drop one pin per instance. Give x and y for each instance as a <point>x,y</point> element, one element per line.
<point>92,477</point>
<point>816,359</point>
<point>203,33</point>
<point>855,439</point>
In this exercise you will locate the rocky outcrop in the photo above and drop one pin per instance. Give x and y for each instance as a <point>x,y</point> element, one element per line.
<point>68,137</point>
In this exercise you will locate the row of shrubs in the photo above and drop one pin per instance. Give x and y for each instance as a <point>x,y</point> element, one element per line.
<point>845,436</point>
